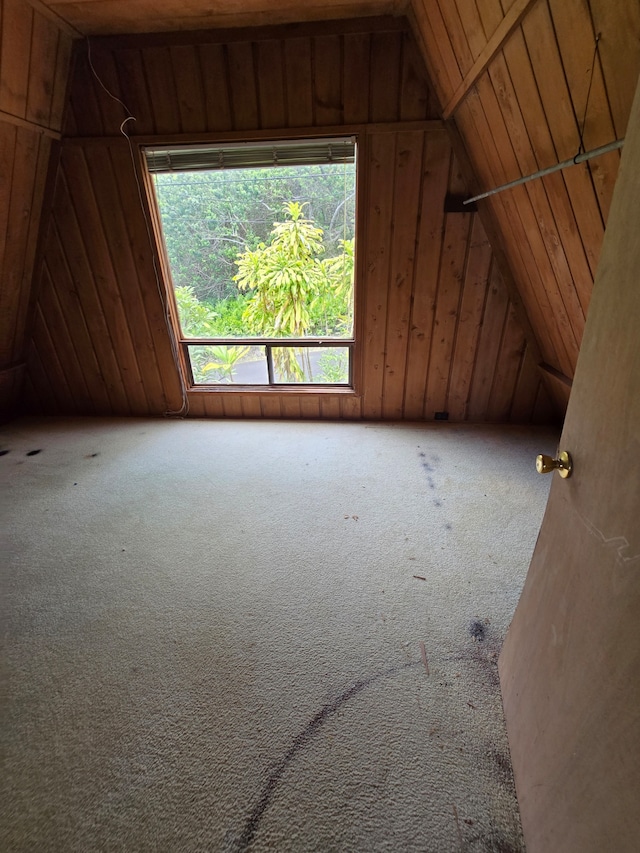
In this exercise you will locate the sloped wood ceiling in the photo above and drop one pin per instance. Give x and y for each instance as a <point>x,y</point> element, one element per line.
<point>437,331</point>
<point>517,81</point>
<point>109,17</point>
<point>34,63</point>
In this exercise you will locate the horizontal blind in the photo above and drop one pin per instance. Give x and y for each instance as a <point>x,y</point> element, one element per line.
<point>248,155</point>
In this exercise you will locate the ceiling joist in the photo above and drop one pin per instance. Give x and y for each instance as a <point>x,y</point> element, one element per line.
<point>511,20</point>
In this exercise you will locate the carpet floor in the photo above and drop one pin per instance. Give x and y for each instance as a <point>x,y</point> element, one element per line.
<point>229,636</point>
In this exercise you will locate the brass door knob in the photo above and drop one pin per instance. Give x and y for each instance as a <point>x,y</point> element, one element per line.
<point>563,464</point>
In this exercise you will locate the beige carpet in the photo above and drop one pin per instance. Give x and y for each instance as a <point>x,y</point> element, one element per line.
<point>225,636</point>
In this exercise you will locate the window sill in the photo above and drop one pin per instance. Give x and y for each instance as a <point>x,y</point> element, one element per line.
<point>273,389</point>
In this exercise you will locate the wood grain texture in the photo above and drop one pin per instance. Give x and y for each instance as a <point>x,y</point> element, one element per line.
<point>94,17</point>
<point>501,34</point>
<point>522,107</point>
<point>425,286</point>
<point>34,65</point>
<point>100,292</point>
<point>326,80</point>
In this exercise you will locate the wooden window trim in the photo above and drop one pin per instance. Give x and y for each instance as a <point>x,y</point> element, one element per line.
<point>162,270</point>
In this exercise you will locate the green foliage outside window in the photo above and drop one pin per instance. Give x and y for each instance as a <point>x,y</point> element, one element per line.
<point>231,283</point>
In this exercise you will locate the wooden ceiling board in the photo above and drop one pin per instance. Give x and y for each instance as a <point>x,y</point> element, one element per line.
<point>582,66</point>
<point>519,228</point>
<point>437,330</point>
<point>619,50</point>
<point>111,17</point>
<point>522,79</point>
<point>542,201</point>
<point>524,111</point>
<point>471,25</point>
<point>528,65</point>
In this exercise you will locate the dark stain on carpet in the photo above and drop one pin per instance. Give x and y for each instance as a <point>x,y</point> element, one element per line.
<point>503,764</point>
<point>428,467</point>
<point>477,630</point>
<point>300,741</point>
<point>492,842</point>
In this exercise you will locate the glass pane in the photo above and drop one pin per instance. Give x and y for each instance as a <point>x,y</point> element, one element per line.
<point>314,365</point>
<point>223,364</point>
<point>262,252</point>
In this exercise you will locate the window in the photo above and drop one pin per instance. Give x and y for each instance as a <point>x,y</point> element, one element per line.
<point>260,239</point>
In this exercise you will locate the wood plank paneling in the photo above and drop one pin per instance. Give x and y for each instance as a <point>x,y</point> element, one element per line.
<point>35,153</point>
<point>495,313</point>
<point>290,406</point>
<point>271,84</point>
<point>99,292</point>
<point>386,69</point>
<point>44,48</point>
<point>242,82</point>
<point>134,89</point>
<point>309,407</point>
<point>297,53</point>
<point>525,112</point>
<point>414,90</point>
<point>472,301</point>
<point>583,70</point>
<point>157,16</point>
<point>158,70</point>
<point>73,204</point>
<point>15,54</point>
<point>407,186</point>
<point>120,266</point>
<point>556,98</point>
<point>435,180</point>
<point>86,104</point>
<point>512,346</point>
<point>490,120</point>
<point>271,405</point>
<point>452,262</point>
<point>251,406</point>
<point>217,106</point>
<point>357,49</point>
<point>189,84</point>
<point>76,374</point>
<point>619,27</point>
<point>528,101</point>
<point>34,65</point>
<point>435,332</point>
<point>327,79</point>
<point>232,406</point>
<point>58,287</point>
<point>381,175</point>
<point>148,284</point>
<point>351,408</point>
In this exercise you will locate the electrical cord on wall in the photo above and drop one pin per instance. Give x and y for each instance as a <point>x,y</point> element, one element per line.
<point>184,409</point>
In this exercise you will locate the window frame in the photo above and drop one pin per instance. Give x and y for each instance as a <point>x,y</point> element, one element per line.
<point>183,343</point>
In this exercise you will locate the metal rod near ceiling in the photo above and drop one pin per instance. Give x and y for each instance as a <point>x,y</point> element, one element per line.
<point>572,161</point>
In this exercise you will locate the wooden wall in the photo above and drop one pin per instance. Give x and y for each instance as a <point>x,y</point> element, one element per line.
<point>436,328</point>
<point>513,78</point>
<point>34,61</point>
<point>95,17</point>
